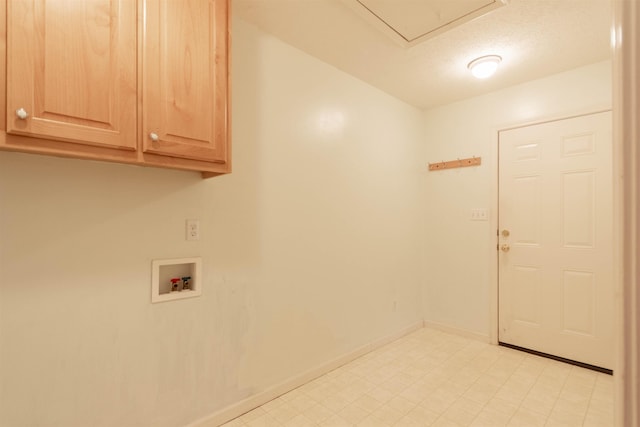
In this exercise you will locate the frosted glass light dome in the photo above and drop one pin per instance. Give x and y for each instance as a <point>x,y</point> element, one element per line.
<point>484,66</point>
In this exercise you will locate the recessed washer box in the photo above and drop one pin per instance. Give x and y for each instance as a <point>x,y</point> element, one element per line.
<point>177,278</point>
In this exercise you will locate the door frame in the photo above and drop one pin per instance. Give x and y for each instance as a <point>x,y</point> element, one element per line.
<point>626,132</point>
<point>626,214</point>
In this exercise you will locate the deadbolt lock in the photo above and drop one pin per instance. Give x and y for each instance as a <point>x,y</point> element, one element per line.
<point>505,233</point>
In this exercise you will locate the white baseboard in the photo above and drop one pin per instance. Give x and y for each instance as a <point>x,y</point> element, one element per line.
<point>259,399</point>
<point>457,331</point>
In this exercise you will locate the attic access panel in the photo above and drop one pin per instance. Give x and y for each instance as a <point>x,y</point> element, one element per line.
<point>410,22</point>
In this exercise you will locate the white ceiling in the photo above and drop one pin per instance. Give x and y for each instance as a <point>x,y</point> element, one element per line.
<point>535,38</point>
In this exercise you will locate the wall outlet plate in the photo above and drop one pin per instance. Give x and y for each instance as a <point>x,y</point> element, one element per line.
<point>193,229</point>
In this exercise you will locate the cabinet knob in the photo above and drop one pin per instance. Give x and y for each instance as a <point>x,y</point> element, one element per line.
<point>22,113</point>
<point>154,136</point>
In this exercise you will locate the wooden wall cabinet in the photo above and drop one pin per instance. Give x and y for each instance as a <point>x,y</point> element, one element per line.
<point>143,82</point>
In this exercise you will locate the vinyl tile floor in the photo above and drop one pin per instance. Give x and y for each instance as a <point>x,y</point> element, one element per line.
<point>431,378</point>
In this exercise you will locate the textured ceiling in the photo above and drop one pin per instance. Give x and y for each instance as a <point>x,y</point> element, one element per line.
<point>535,38</point>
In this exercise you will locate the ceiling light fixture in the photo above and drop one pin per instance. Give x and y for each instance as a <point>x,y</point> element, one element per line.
<point>484,66</point>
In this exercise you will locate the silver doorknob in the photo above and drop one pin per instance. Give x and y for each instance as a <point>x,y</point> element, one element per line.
<point>22,113</point>
<point>505,248</point>
<point>154,136</point>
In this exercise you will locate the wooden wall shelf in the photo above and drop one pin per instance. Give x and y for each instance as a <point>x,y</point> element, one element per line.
<point>458,163</point>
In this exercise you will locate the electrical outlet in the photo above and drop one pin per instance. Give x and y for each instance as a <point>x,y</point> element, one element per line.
<point>193,229</point>
<point>479,214</point>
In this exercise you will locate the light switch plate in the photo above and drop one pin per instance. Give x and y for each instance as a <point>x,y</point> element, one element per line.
<point>478,214</point>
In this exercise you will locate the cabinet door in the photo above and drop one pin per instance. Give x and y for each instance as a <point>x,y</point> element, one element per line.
<point>71,73</point>
<point>185,79</point>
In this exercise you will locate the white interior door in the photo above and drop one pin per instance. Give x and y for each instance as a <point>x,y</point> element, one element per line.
<point>555,238</point>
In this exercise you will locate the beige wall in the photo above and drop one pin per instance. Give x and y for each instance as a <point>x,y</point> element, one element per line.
<point>317,243</point>
<point>459,264</point>
<point>311,249</point>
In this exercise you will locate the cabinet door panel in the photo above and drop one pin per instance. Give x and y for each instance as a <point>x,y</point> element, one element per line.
<point>185,79</point>
<point>73,70</point>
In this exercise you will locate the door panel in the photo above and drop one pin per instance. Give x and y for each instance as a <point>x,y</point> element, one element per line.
<point>578,227</point>
<point>555,200</point>
<point>73,71</point>
<point>185,79</point>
